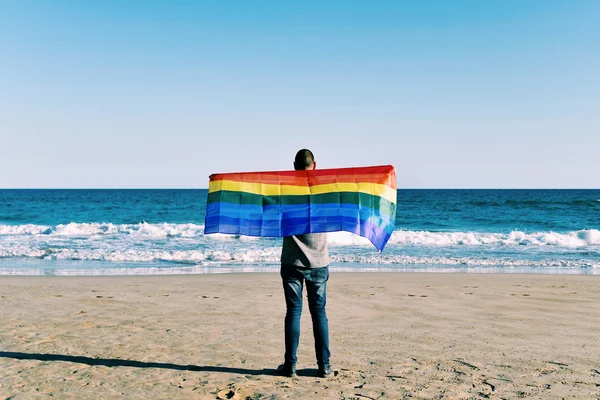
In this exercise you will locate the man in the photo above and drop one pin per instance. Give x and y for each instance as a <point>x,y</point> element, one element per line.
<point>304,258</point>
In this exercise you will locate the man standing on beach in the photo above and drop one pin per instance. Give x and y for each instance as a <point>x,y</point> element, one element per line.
<point>305,258</point>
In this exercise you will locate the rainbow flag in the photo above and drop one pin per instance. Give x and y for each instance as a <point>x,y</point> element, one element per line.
<point>284,203</point>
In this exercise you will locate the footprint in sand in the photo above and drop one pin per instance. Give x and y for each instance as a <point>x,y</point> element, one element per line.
<point>88,325</point>
<point>348,373</point>
<point>243,392</point>
<point>394,377</point>
<point>226,394</point>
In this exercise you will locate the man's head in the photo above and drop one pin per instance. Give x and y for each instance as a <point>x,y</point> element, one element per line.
<point>304,160</point>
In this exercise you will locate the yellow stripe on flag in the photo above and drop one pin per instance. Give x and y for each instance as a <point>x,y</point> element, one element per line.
<point>265,189</point>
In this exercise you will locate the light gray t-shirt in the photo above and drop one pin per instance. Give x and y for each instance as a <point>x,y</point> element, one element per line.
<point>308,250</point>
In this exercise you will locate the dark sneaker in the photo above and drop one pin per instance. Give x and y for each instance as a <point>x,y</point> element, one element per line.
<point>324,371</point>
<point>286,369</point>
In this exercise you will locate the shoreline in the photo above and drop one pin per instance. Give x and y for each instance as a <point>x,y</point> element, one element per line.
<point>392,335</point>
<point>102,268</point>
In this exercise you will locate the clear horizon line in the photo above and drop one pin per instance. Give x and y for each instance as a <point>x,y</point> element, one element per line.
<point>206,188</point>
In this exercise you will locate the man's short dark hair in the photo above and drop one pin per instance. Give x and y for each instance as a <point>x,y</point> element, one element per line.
<point>304,158</point>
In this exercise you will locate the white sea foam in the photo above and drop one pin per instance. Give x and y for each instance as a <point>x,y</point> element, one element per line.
<point>581,238</point>
<point>202,269</point>
<point>141,252</point>
<point>28,229</point>
<point>89,229</point>
<point>570,239</point>
<point>250,256</point>
<point>462,261</point>
<point>133,271</point>
<point>339,263</point>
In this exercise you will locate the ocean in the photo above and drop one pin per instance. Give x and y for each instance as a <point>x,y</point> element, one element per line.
<point>154,232</point>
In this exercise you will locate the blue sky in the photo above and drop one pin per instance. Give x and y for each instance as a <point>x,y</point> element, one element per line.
<point>454,94</point>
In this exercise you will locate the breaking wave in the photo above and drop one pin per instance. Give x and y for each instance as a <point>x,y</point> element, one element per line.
<point>88,229</point>
<point>580,238</point>
<point>168,247</point>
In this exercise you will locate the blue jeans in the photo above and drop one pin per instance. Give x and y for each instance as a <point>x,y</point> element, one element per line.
<point>293,278</point>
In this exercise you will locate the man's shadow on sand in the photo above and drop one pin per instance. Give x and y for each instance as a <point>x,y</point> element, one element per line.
<point>115,362</point>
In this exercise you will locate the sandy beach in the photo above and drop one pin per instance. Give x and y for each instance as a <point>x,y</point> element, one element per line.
<point>393,336</point>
